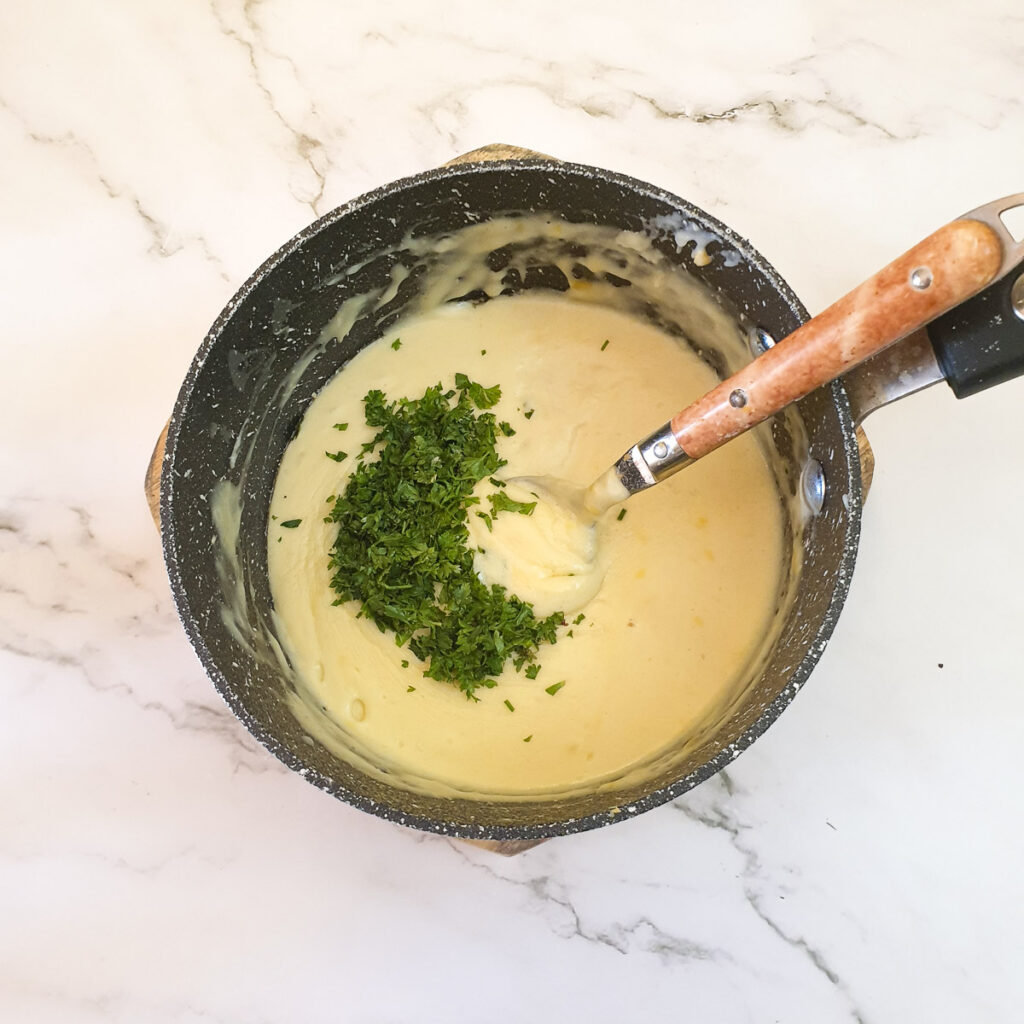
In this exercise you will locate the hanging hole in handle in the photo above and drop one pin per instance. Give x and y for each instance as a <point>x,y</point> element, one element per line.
<point>1013,221</point>
<point>1003,216</point>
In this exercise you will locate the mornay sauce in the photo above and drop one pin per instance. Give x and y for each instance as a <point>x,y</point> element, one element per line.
<point>688,579</point>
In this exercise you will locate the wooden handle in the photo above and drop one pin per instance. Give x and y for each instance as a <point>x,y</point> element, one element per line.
<point>156,461</point>
<point>498,151</point>
<point>936,275</point>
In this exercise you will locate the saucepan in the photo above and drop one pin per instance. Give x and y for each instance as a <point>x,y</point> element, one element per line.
<point>270,352</point>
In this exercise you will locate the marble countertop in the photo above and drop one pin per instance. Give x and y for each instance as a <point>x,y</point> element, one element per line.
<point>860,863</point>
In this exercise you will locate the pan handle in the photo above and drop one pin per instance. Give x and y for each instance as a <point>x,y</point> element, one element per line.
<point>975,346</point>
<point>980,343</point>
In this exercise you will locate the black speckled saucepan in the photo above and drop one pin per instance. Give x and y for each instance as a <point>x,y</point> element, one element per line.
<point>264,345</point>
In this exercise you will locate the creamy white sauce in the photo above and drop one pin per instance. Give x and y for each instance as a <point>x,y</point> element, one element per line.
<point>679,603</point>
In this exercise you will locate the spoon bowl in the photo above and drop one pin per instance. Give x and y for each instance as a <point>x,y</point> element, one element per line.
<point>549,555</point>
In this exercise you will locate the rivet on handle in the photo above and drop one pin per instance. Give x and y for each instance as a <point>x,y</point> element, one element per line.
<point>760,340</point>
<point>1017,297</point>
<point>812,486</point>
<point>921,278</point>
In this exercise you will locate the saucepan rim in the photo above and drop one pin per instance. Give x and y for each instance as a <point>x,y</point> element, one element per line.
<point>536,830</point>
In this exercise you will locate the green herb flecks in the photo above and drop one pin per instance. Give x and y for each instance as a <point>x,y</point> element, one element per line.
<point>290,524</point>
<point>401,549</point>
<point>605,345</point>
<point>621,515</point>
<point>554,687</point>
<point>396,344</point>
<point>482,398</point>
<point>337,456</point>
<point>503,503</point>
<point>529,413</point>
<point>508,704</point>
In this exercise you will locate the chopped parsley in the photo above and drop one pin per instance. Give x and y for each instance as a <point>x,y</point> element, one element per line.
<point>508,704</point>
<point>605,345</point>
<point>579,618</point>
<point>401,548</point>
<point>554,688</point>
<point>396,344</point>
<point>337,456</point>
<point>531,671</point>
<point>526,739</point>
<point>621,515</point>
<point>529,413</point>
<point>503,503</point>
<point>290,524</point>
<point>482,398</point>
<point>341,426</point>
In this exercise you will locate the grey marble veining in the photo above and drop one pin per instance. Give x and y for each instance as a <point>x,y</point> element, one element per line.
<point>860,863</point>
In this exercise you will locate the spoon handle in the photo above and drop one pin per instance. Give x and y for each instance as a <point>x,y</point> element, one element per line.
<point>935,275</point>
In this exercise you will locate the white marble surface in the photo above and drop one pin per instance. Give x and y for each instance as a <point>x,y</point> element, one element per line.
<point>862,862</point>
